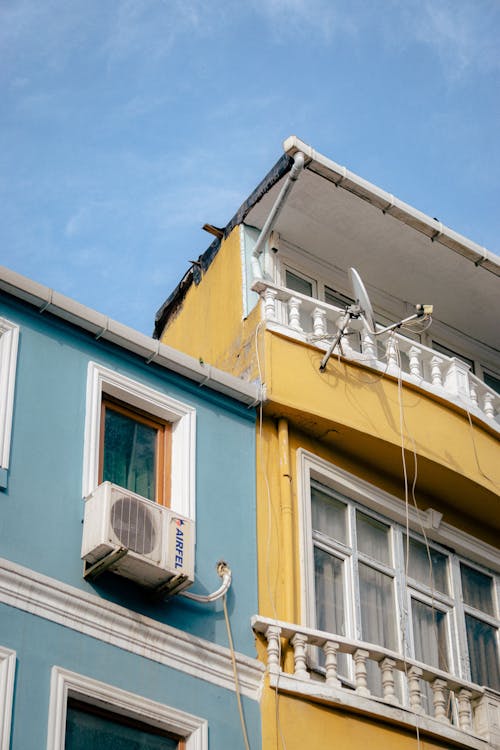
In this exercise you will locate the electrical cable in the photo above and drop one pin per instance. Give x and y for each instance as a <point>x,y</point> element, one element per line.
<point>235,673</point>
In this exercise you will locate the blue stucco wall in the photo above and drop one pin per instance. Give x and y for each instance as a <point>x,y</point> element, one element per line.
<point>40,645</point>
<point>41,509</point>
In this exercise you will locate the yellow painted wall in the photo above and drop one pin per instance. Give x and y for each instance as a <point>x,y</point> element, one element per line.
<point>304,724</point>
<point>366,409</point>
<point>209,324</point>
<point>351,417</point>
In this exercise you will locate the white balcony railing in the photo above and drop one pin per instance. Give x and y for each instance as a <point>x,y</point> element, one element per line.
<point>314,321</point>
<point>464,713</point>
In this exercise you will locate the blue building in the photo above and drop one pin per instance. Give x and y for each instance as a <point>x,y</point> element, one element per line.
<point>110,649</point>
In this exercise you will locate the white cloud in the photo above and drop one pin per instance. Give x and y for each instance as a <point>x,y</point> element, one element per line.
<point>462,33</point>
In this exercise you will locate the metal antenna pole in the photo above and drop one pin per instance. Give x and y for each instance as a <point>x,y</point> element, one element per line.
<point>342,326</point>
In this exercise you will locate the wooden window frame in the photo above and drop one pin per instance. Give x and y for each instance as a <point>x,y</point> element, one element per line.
<point>163,455</point>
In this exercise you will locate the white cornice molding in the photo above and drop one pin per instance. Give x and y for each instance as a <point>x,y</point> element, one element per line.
<point>65,684</point>
<point>58,602</point>
<point>48,300</point>
<point>7,673</point>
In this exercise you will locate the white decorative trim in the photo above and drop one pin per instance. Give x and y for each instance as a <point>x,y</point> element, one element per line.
<point>85,613</point>
<point>65,684</point>
<point>7,672</point>
<point>183,418</point>
<point>9,336</point>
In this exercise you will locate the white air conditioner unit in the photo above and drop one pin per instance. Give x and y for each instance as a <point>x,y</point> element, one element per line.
<point>146,542</point>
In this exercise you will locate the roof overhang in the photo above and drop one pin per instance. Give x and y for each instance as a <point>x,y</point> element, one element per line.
<point>341,220</point>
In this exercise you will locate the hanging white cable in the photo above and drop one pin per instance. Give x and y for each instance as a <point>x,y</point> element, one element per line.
<point>235,674</point>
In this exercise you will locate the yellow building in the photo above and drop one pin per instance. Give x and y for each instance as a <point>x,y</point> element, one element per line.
<point>378,466</point>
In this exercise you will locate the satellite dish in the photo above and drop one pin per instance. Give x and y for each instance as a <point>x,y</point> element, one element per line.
<point>362,311</point>
<point>361,298</point>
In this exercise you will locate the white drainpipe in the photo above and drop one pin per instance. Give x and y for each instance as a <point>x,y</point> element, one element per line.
<point>293,176</point>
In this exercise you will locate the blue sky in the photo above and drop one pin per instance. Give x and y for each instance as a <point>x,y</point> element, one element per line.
<point>127,124</point>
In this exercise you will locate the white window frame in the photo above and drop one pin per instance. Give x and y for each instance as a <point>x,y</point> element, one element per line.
<point>367,497</point>
<point>65,684</point>
<point>7,674</point>
<point>9,337</point>
<point>103,381</point>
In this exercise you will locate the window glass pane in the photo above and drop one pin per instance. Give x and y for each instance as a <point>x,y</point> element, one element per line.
<point>378,613</point>
<point>492,380</point>
<point>87,731</point>
<point>298,284</point>
<point>483,652</point>
<point>328,578</point>
<point>337,299</point>
<point>429,635</point>
<point>477,589</point>
<point>373,538</point>
<point>450,353</point>
<point>427,566</point>
<point>329,515</point>
<point>129,453</point>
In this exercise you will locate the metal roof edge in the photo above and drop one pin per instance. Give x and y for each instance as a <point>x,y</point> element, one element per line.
<point>379,198</point>
<point>45,299</point>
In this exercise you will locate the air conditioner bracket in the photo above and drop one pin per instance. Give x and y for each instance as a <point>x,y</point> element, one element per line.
<point>169,587</point>
<point>91,572</point>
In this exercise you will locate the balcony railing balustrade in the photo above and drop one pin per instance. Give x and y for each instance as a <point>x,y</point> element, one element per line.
<point>464,713</point>
<point>314,321</point>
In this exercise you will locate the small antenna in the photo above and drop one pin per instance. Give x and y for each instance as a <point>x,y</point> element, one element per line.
<point>362,310</point>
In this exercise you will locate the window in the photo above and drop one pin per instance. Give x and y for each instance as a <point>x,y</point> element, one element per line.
<point>299,283</point>
<point>7,673</point>
<point>481,625</point>
<point>9,335</point>
<point>88,726</point>
<point>493,381</point>
<point>450,353</point>
<point>369,580</point>
<point>135,451</point>
<point>140,439</point>
<point>85,713</point>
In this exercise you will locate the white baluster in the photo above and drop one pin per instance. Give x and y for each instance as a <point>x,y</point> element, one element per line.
<point>330,650</point>
<point>273,649</point>
<point>436,374</point>
<point>391,350</point>
<point>368,345</point>
<point>387,669</point>
<point>439,700</point>
<point>415,356</point>
<point>270,304</point>
<point>299,643</point>
<point>360,657</point>
<point>414,675</point>
<point>319,321</point>
<point>473,393</point>
<point>464,710</point>
<point>294,304</point>
<point>488,405</point>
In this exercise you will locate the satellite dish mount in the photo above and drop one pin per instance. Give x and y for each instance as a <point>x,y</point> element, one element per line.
<point>362,311</point>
